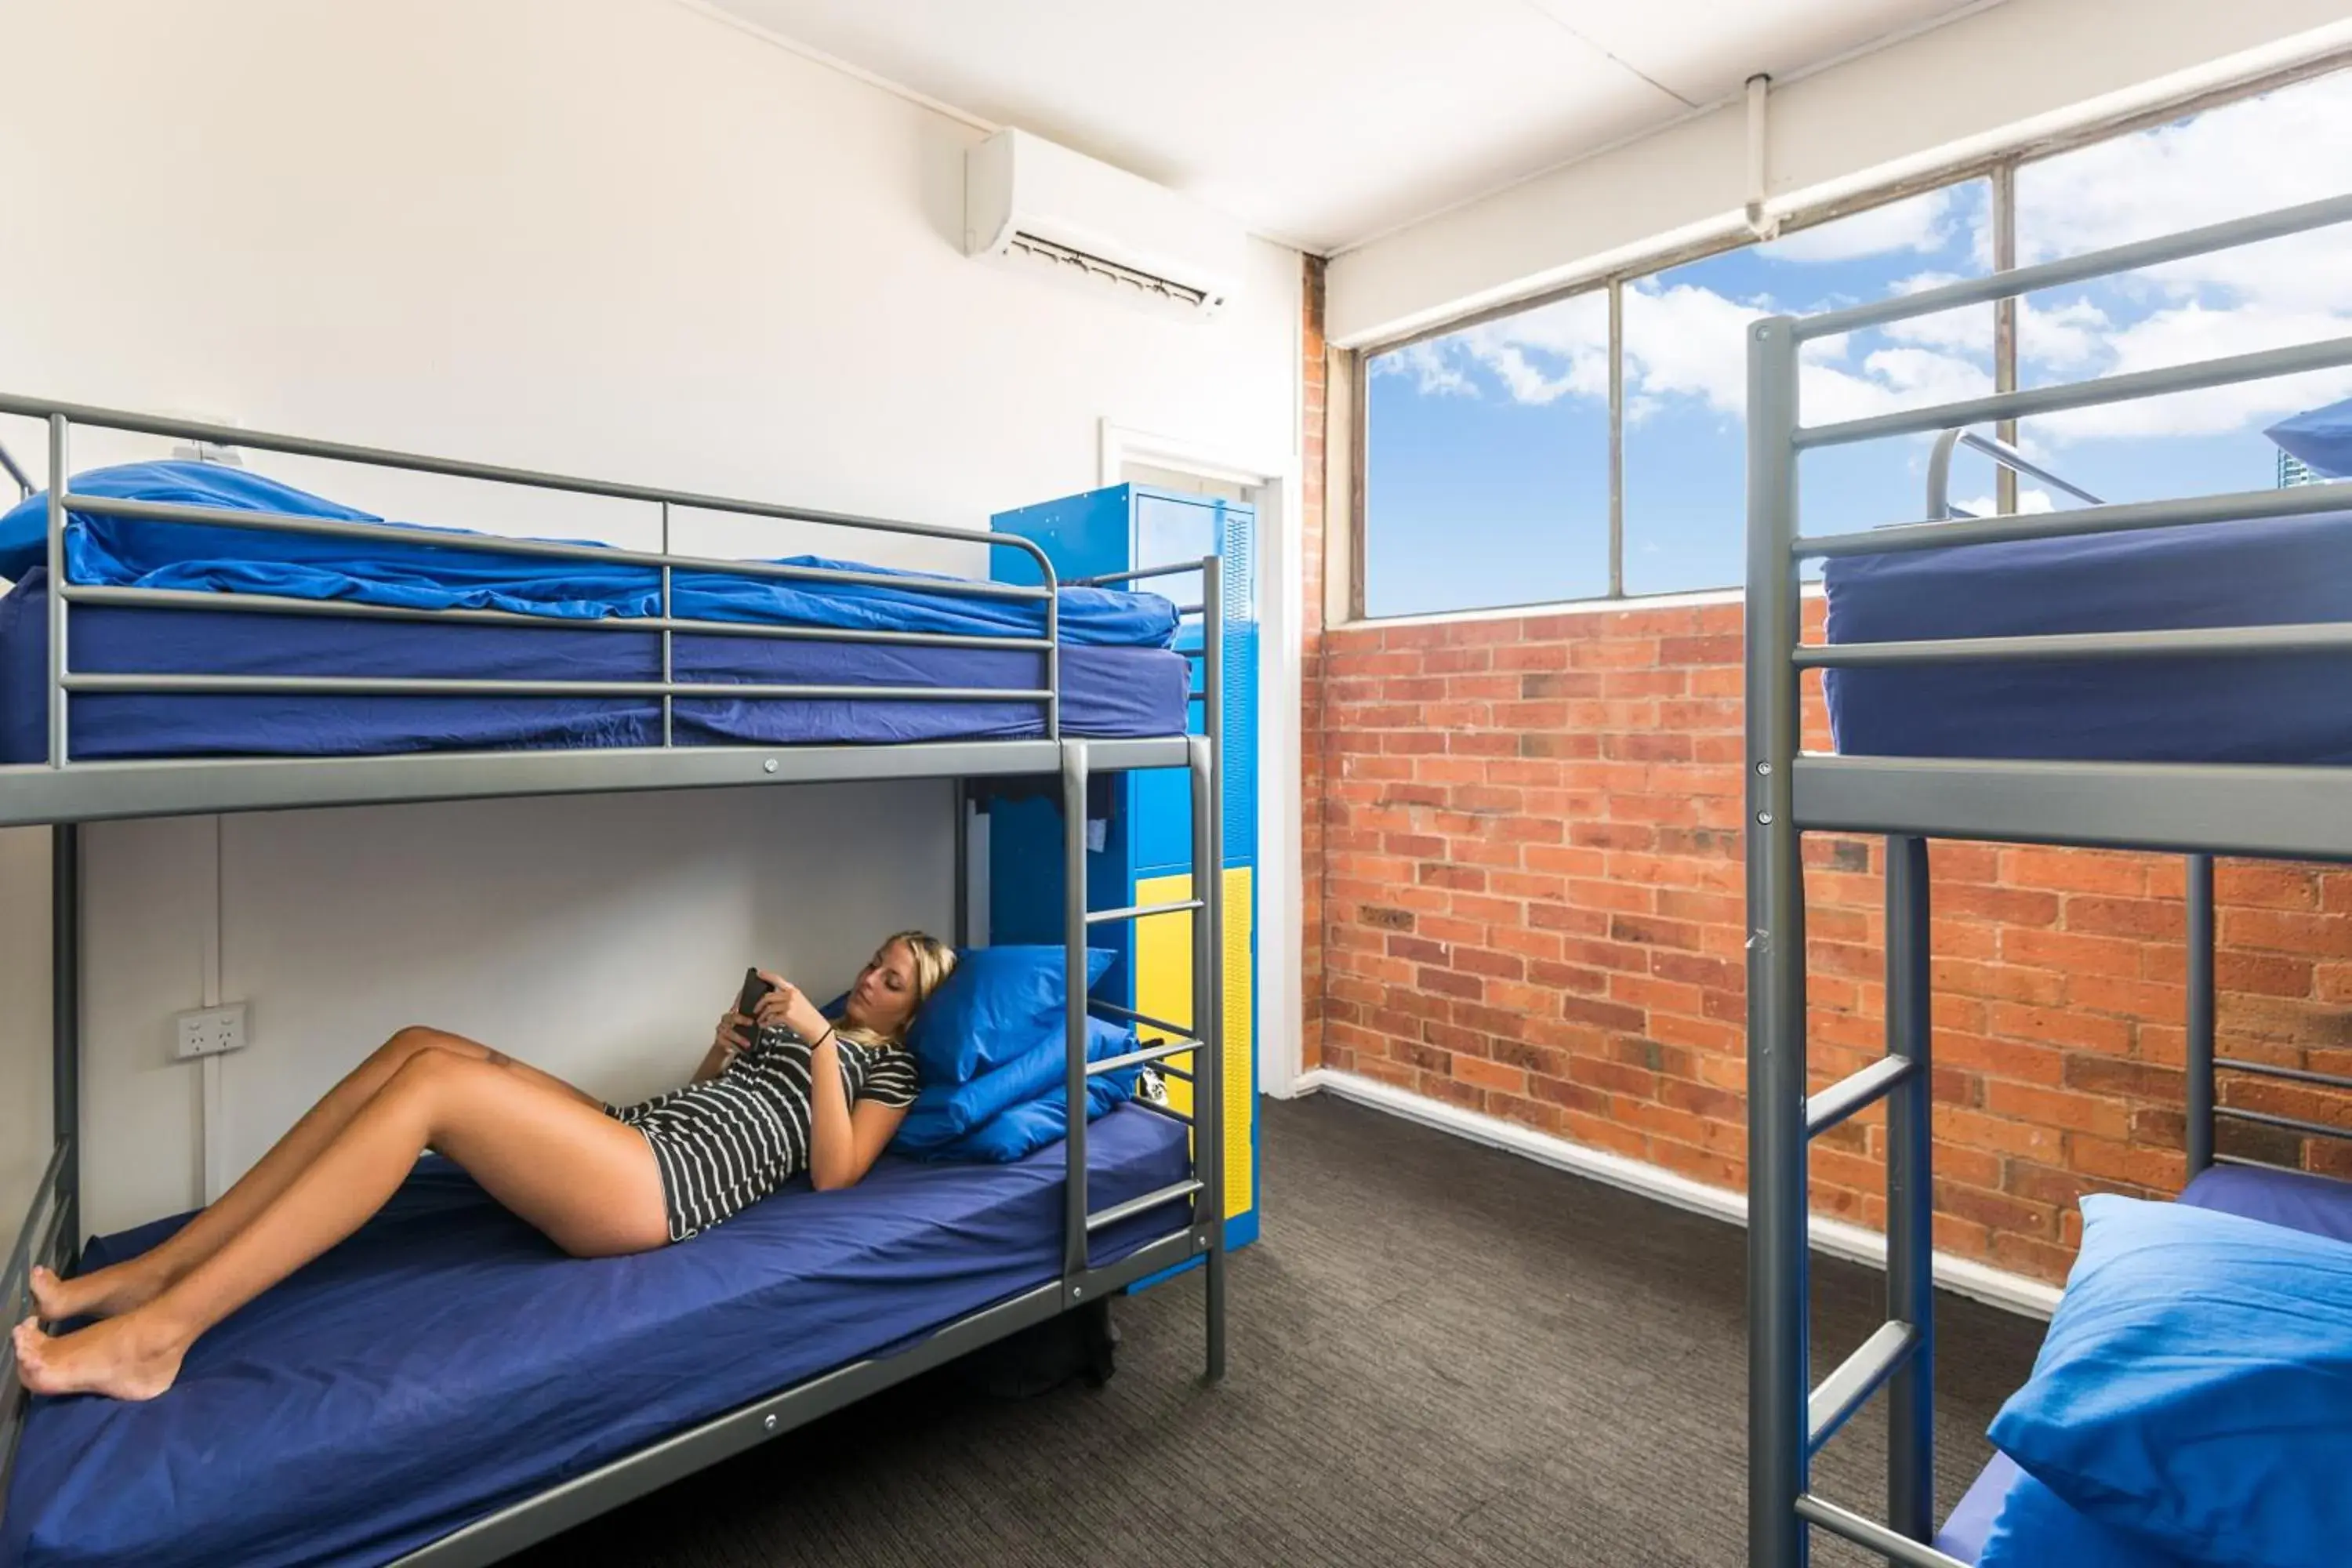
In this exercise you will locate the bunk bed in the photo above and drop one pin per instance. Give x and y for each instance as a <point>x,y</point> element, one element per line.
<point>2161,676</point>
<point>249,658</point>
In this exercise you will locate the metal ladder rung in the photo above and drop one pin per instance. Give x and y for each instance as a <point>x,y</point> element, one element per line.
<point>1887,1543</point>
<point>1855,1092</point>
<point>1181,1031</point>
<point>1140,912</point>
<point>1137,1058</point>
<point>2291,1123</point>
<point>1152,1200</point>
<point>1858,1377</point>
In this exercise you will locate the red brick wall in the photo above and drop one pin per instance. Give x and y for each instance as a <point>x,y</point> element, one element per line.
<point>1313,423</point>
<point>1532,903</point>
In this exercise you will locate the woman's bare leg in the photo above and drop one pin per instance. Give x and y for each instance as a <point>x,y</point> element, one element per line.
<point>105,1292</point>
<point>586,1179</point>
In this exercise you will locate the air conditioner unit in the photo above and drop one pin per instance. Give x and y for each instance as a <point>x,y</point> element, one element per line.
<point>1031,203</point>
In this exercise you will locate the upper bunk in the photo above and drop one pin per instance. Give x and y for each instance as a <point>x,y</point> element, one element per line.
<point>2163,675</point>
<point>224,642</point>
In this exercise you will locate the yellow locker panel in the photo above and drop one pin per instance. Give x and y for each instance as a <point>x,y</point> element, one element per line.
<point>1163,988</point>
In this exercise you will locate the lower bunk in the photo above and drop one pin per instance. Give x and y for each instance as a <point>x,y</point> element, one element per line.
<point>446,1362</point>
<point>2008,1519</point>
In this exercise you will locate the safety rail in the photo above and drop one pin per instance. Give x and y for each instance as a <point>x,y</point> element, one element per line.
<point>661,567</point>
<point>2197,809</point>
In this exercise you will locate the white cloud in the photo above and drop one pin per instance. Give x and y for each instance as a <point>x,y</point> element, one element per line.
<point>2028,501</point>
<point>1923,223</point>
<point>1426,363</point>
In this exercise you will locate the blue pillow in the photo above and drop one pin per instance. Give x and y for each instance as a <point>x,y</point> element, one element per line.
<point>1033,1123</point>
<point>2035,1529</point>
<point>943,1112</point>
<point>2321,439</point>
<point>24,527</point>
<point>992,1008</point>
<point>2196,1386</point>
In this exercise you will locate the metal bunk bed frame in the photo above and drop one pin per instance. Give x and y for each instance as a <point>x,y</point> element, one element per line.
<point>2200,810</point>
<point>63,795</point>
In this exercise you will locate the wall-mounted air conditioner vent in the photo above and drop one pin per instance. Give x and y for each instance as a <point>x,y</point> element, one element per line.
<point>1029,201</point>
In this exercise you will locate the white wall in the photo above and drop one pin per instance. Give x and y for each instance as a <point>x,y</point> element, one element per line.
<point>1990,80</point>
<point>609,237</point>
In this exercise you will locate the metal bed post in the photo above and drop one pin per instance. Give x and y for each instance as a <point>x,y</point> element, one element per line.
<point>1075,925</point>
<point>1777,1286</point>
<point>65,1029</point>
<point>56,561</point>
<point>1209,954</point>
<point>960,799</point>
<point>1910,1193</point>
<point>2198,1137</point>
<point>667,677</point>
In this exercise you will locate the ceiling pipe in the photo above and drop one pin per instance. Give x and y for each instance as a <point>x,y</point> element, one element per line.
<point>1758,91</point>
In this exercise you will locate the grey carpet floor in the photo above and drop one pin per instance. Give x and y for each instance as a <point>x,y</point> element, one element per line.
<point>1441,1354</point>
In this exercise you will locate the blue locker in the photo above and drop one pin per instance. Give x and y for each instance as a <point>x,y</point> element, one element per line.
<point>1146,855</point>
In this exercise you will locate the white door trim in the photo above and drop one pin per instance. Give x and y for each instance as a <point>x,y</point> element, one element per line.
<point>1273,487</point>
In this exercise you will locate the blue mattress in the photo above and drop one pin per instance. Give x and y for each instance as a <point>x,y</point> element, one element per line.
<point>2295,708</point>
<point>2318,1204</point>
<point>446,1360</point>
<point>1107,690</point>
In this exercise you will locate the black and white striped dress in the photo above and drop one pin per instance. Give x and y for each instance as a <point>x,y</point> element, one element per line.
<point>724,1144</point>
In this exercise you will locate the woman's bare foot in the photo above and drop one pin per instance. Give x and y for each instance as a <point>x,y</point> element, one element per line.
<point>103,1293</point>
<point>121,1358</point>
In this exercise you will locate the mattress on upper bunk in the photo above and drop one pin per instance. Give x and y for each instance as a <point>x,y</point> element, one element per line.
<point>446,1361</point>
<point>2320,1206</point>
<point>2293,707</point>
<point>1110,692</point>
<point>1120,678</point>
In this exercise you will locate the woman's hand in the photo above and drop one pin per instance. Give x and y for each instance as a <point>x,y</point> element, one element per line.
<point>734,1037</point>
<point>788,1007</point>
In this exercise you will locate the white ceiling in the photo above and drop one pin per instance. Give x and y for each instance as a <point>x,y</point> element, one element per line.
<point>1326,122</point>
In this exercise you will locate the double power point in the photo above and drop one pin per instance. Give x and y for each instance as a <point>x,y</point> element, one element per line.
<point>208,1032</point>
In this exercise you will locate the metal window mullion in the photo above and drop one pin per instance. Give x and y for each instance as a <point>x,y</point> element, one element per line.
<point>1616,438</point>
<point>1777,1272</point>
<point>2004,326</point>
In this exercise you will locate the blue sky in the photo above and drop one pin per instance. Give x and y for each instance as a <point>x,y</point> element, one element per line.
<point>1486,461</point>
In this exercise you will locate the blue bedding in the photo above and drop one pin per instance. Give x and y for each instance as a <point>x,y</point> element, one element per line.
<point>2315,1205</point>
<point>446,1361</point>
<point>116,552</point>
<point>2295,708</point>
<point>1113,692</point>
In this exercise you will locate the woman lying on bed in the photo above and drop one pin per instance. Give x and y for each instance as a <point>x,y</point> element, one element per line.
<point>799,1092</point>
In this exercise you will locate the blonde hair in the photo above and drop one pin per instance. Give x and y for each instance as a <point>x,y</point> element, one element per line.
<point>934,961</point>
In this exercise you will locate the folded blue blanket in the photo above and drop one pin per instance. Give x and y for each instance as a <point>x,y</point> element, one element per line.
<point>118,552</point>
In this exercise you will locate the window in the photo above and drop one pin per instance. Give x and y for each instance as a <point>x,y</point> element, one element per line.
<point>2289,145</point>
<point>1486,463</point>
<point>1488,451</point>
<point>1685,348</point>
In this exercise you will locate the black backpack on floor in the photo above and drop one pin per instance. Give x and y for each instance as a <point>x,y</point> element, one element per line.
<point>1080,1343</point>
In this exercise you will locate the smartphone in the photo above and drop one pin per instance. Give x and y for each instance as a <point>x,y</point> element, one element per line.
<point>754,990</point>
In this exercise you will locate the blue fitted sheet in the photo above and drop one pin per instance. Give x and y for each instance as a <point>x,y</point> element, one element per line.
<point>2317,1205</point>
<point>447,1361</point>
<point>1106,691</point>
<point>2295,708</point>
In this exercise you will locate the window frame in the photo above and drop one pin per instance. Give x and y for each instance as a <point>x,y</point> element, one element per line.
<point>1999,169</point>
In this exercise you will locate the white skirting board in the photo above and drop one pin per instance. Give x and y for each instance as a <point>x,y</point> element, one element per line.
<point>1996,1287</point>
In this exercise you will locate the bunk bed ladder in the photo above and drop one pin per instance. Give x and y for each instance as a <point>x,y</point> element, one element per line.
<point>1201,1039</point>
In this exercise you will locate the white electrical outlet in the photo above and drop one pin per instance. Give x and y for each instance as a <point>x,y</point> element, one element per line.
<point>208,1032</point>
